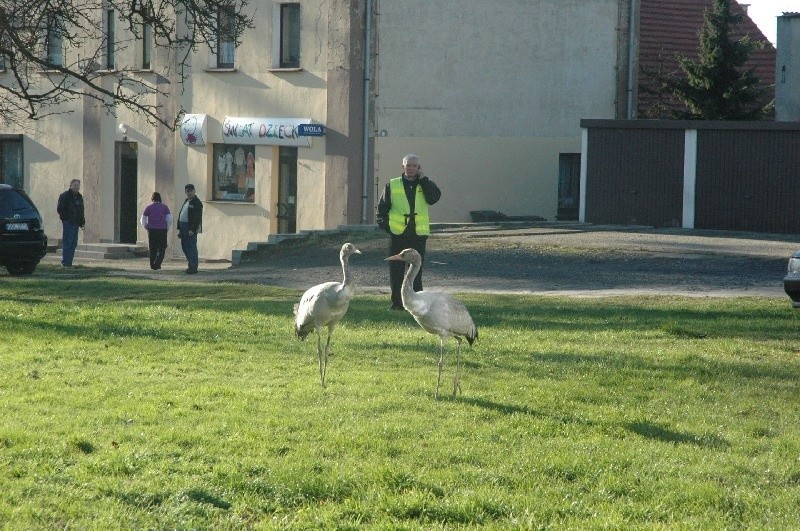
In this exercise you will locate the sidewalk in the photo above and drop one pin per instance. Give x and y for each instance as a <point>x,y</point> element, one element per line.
<point>139,265</point>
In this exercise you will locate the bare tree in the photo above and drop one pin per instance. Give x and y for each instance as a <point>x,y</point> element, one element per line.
<point>57,52</point>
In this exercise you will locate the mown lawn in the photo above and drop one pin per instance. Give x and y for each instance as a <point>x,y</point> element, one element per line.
<point>144,404</point>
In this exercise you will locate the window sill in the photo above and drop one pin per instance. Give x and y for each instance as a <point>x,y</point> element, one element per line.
<point>281,70</point>
<point>143,71</point>
<point>214,70</point>
<point>229,202</point>
<point>106,71</point>
<point>49,71</point>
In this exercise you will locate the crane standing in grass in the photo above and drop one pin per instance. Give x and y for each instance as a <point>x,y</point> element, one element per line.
<point>324,305</point>
<point>438,313</point>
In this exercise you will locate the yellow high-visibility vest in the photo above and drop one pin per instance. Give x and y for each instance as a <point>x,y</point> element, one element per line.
<point>401,210</point>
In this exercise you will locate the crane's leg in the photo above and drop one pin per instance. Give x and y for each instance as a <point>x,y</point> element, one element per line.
<point>441,364</point>
<point>319,359</point>
<point>457,379</point>
<point>325,359</point>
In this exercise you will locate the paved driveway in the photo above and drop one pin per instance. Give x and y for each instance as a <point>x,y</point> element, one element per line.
<point>572,259</point>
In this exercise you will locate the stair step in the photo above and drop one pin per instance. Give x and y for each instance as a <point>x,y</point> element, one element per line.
<point>109,251</point>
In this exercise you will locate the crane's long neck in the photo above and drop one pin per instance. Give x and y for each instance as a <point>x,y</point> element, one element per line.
<point>345,270</point>
<point>407,290</point>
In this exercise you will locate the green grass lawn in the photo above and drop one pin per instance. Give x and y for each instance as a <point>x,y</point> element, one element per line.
<point>153,405</point>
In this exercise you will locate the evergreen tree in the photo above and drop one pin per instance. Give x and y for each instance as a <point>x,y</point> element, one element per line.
<point>714,86</point>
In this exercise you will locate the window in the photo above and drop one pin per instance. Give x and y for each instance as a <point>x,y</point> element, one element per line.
<point>54,42</point>
<point>289,36</point>
<point>234,175</point>
<point>226,37</point>
<point>147,46</point>
<point>11,160</point>
<point>111,40</point>
<point>5,44</point>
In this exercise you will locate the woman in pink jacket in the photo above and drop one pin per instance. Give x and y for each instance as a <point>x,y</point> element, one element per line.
<point>157,219</point>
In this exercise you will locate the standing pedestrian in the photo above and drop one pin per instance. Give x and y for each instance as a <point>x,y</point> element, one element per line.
<point>71,211</point>
<point>403,213</point>
<point>156,219</point>
<point>190,223</point>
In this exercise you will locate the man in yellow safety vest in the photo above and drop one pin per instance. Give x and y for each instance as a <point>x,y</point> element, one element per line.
<point>403,213</point>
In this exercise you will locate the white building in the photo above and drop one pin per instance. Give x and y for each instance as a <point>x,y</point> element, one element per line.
<point>488,94</point>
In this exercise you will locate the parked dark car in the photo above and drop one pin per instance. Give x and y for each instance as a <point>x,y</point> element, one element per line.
<point>23,242</point>
<point>791,282</point>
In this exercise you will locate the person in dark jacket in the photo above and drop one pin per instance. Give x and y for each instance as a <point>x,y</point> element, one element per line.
<point>156,219</point>
<point>190,224</point>
<point>70,209</point>
<point>403,213</point>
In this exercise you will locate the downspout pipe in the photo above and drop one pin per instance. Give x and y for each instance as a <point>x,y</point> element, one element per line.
<point>367,78</point>
<point>631,60</point>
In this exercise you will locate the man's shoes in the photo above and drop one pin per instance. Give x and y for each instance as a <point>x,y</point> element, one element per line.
<point>395,306</point>
<point>66,266</point>
<point>191,271</point>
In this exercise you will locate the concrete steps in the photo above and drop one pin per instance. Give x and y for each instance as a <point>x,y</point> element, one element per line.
<point>108,251</point>
<point>274,239</point>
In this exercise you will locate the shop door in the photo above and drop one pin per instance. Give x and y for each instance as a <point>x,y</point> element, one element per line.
<point>287,190</point>
<point>127,176</point>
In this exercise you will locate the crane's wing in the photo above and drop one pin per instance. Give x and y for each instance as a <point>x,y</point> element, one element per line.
<point>443,315</point>
<point>314,308</point>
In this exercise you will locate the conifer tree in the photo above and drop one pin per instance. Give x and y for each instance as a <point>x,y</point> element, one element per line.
<point>715,87</point>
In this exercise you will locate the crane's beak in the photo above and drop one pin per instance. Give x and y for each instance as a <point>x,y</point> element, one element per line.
<point>358,252</point>
<point>394,257</point>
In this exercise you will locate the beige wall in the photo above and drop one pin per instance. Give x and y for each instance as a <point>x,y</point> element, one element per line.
<point>489,93</point>
<point>257,92</point>
<point>517,176</point>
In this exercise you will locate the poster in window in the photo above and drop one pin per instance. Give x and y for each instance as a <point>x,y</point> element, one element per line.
<point>234,174</point>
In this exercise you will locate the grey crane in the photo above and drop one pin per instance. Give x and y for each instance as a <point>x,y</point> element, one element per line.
<point>438,313</point>
<point>324,305</point>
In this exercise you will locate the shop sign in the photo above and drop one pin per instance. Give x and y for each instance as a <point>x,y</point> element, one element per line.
<point>265,131</point>
<point>194,130</point>
<point>311,130</point>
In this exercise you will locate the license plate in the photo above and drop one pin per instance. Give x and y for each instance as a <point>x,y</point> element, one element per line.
<point>16,226</point>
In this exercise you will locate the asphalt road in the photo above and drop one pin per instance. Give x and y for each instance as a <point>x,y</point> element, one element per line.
<point>559,259</point>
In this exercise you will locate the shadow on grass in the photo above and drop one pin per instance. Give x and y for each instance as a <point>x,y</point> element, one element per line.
<point>653,431</point>
<point>201,496</point>
<point>513,409</point>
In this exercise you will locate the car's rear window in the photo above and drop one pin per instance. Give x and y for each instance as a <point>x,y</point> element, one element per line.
<point>15,205</point>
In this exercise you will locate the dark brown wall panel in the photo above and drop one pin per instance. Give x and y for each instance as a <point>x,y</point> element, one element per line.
<point>635,177</point>
<point>748,180</point>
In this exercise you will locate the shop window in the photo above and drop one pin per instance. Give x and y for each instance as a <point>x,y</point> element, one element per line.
<point>234,175</point>
<point>226,37</point>
<point>54,42</point>
<point>288,32</point>
<point>11,160</point>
